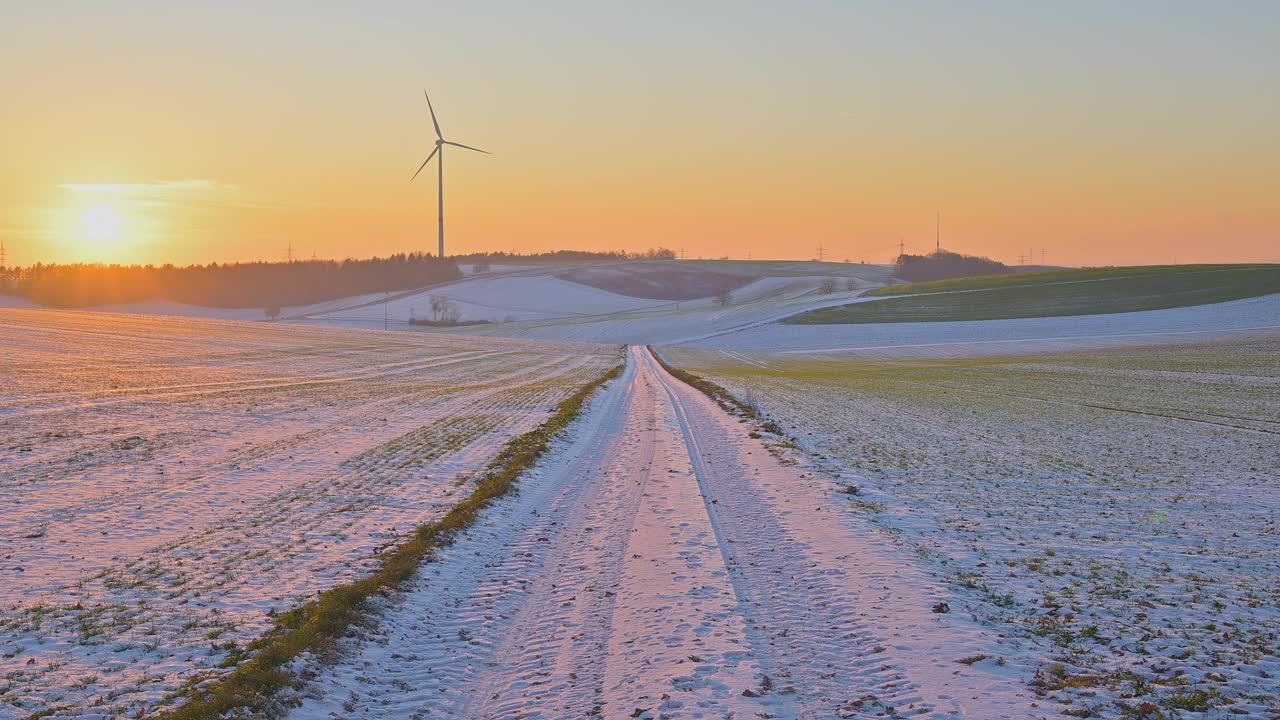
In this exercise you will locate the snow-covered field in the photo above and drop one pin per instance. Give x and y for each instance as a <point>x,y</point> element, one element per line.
<point>11,302</point>
<point>532,302</point>
<point>763,301</point>
<point>170,484</point>
<point>966,525</point>
<point>492,298</point>
<point>664,562</point>
<point>1118,510</point>
<point>996,337</point>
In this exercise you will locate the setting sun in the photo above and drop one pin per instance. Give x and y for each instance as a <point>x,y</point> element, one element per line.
<point>743,359</point>
<point>101,224</point>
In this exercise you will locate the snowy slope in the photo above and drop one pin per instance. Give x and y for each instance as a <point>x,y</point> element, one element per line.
<point>496,299</point>
<point>986,337</point>
<point>762,301</point>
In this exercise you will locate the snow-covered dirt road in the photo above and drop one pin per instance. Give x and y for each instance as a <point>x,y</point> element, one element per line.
<point>663,562</point>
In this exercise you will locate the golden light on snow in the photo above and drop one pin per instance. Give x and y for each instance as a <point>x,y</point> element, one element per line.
<point>101,224</point>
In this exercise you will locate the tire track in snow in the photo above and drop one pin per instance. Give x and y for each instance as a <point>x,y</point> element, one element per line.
<point>846,615</point>
<point>663,565</point>
<point>824,655</point>
<point>598,592</point>
<point>441,649</point>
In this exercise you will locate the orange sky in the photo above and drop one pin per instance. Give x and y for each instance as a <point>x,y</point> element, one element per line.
<point>149,132</point>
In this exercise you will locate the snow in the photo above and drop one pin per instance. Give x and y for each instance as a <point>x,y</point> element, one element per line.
<point>176,309</point>
<point>11,302</point>
<point>995,337</point>
<point>531,302</point>
<point>1115,511</point>
<point>663,563</point>
<point>662,322</point>
<point>470,269</point>
<point>168,483</point>
<point>496,299</point>
<point>1091,497</point>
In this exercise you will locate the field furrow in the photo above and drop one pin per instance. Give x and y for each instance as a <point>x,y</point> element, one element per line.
<point>173,487</point>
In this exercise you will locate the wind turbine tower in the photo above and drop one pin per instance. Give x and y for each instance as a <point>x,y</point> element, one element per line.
<point>440,143</point>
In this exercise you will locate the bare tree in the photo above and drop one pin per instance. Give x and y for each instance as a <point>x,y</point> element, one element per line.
<point>828,286</point>
<point>443,310</point>
<point>438,305</point>
<point>723,297</point>
<point>450,315</point>
<point>272,312</point>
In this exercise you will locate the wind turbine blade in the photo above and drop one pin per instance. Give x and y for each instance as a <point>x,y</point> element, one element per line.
<point>424,163</point>
<point>433,114</point>
<point>468,147</point>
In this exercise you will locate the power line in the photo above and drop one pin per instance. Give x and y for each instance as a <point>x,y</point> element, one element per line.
<point>4,256</point>
<point>289,252</point>
<point>821,250</point>
<point>937,236</point>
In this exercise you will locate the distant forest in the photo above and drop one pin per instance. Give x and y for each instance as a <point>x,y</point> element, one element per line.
<point>564,256</point>
<point>943,265</point>
<point>241,285</point>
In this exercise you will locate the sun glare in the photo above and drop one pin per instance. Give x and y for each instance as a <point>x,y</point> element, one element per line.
<point>101,224</point>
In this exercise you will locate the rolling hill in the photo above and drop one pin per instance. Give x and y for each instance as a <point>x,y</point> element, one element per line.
<point>1091,291</point>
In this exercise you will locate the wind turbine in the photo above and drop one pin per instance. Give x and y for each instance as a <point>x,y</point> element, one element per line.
<point>440,143</point>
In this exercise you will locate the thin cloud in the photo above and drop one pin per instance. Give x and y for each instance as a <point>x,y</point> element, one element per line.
<point>159,190</point>
<point>195,193</point>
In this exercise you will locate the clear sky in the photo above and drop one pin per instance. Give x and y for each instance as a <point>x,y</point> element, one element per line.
<point>1135,132</point>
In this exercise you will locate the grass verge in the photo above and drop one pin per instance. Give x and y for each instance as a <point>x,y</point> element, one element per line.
<point>317,625</point>
<point>723,397</point>
<point>1051,294</point>
<point>991,282</point>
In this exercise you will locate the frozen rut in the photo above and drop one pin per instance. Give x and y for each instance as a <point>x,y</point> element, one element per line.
<point>663,563</point>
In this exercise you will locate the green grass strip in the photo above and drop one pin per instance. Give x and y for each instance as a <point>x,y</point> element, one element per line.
<point>1055,294</point>
<point>317,625</point>
<point>723,398</point>
<point>990,282</point>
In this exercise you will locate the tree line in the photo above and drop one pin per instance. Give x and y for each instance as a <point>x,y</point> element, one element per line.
<point>238,285</point>
<point>943,265</point>
<point>565,256</point>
